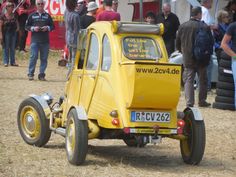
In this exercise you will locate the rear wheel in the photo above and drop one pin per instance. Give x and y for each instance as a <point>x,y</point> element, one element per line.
<point>76,138</point>
<point>192,148</point>
<point>32,123</point>
<point>135,140</point>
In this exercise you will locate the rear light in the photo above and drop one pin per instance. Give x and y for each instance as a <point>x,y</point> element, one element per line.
<point>180,127</point>
<point>126,130</point>
<point>115,122</point>
<point>181,123</point>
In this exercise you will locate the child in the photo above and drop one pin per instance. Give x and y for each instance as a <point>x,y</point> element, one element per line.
<point>150,18</point>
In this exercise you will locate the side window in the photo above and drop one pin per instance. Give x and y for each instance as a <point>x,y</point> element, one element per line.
<point>82,52</point>
<point>106,54</point>
<point>93,53</point>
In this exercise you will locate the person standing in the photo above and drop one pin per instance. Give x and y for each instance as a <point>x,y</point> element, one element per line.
<point>8,32</point>
<point>81,7</point>
<point>184,43</point>
<point>101,7</point>
<point>231,9</point>
<point>23,11</point>
<point>230,36</point>
<point>210,21</point>
<point>171,25</point>
<point>223,23</point>
<point>115,4</point>
<point>89,18</point>
<point>108,14</point>
<point>40,24</point>
<point>72,24</point>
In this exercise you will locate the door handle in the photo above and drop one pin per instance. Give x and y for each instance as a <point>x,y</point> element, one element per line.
<point>92,76</point>
<point>79,76</point>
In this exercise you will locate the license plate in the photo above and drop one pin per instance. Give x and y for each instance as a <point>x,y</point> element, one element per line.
<point>137,116</point>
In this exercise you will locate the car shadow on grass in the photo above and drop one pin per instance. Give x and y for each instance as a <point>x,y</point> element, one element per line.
<point>55,146</point>
<point>138,157</point>
<point>149,158</point>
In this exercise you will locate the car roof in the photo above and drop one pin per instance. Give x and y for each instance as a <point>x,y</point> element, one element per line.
<point>127,27</point>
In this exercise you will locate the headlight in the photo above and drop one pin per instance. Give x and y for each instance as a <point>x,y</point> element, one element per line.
<point>48,98</point>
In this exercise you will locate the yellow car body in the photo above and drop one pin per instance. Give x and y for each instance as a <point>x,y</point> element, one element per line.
<point>128,85</point>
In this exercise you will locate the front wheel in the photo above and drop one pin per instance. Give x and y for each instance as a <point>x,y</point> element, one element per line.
<point>76,138</point>
<point>192,148</point>
<point>32,123</point>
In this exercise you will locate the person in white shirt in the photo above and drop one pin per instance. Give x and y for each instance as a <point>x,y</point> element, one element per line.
<point>206,15</point>
<point>210,21</point>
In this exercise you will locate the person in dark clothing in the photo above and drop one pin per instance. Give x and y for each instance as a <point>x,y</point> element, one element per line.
<point>23,15</point>
<point>230,37</point>
<point>81,7</point>
<point>231,9</point>
<point>171,25</point>
<point>8,30</point>
<point>40,24</point>
<point>72,24</point>
<point>89,18</point>
<point>184,43</point>
<point>150,17</point>
<point>219,32</point>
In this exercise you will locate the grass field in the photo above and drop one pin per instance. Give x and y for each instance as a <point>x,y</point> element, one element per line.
<point>105,157</point>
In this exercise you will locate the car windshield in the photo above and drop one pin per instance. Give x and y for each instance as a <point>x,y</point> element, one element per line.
<point>141,48</point>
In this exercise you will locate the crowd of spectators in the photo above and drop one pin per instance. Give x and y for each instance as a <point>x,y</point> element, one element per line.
<point>17,18</point>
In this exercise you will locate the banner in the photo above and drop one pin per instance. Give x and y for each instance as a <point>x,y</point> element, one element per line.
<point>55,8</point>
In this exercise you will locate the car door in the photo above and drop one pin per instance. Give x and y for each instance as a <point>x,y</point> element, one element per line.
<point>90,71</point>
<point>73,85</point>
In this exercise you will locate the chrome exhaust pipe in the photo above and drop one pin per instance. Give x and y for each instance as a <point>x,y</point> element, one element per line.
<point>60,131</point>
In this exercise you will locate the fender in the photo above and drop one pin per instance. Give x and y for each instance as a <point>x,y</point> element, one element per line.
<point>43,103</point>
<point>196,113</point>
<point>81,113</point>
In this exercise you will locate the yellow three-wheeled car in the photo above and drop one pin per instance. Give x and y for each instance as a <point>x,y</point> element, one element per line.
<point>121,87</point>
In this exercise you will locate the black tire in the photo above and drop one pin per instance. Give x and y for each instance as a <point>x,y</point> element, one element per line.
<point>224,106</point>
<point>32,123</point>
<point>223,73</point>
<point>228,78</point>
<point>135,141</point>
<point>224,56</point>
<point>193,147</point>
<point>225,64</point>
<point>225,93</point>
<point>76,138</point>
<point>223,99</point>
<point>225,85</point>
